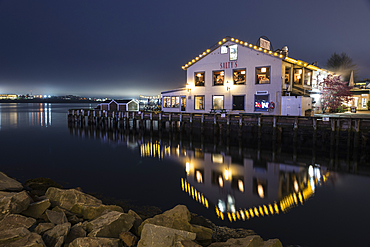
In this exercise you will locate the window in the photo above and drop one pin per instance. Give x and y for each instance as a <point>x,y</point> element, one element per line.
<point>218,102</point>
<point>307,77</point>
<point>297,73</point>
<point>175,102</point>
<point>238,102</point>
<point>199,102</point>
<point>199,79</point>
<point>223,49</point>
<point>218,78</point>
<point>233,52</point>
<point>239,76</point>
<point>287,75</point>
<point>263,75</point>
<point>166,102</point>
<point>261,102</point>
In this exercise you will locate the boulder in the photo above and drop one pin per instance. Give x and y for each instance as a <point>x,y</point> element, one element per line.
<point>75,232</point>
<point>110,225</point>
<point>13,203</point>
<point>68,198</point>
<point>89,212</point>
<point>55,236</point>
<point>183,242</point>
<point>223,233</point>
<point>137,222</point>
<point>250,241</point>
<point>9,184</point>
<point>178,218</point>
<point>36,209</point>
<point>12,221</point>
<point>20,237</point>
<point>128,238</point>
<point>158,236</point>
<point>95,242</point>
<point>43,227</point>
<point>73,219</point>
<point>56,217</point>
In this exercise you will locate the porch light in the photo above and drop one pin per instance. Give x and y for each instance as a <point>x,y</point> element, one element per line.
<point>227,174</point>
<point>188,87</point>
<point>227,88</point>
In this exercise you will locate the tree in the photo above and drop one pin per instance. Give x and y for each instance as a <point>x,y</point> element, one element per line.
<point>334,93</point>
<point>342,64</point>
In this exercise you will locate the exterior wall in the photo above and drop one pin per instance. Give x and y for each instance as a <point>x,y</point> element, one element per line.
<point>295,106</point>
<point>132,106</point>
<point>248,59</point>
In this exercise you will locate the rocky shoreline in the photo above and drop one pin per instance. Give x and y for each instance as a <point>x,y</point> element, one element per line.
<point>41,213</point>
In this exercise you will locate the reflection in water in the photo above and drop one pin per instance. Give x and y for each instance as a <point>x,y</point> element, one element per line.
<point>14,115</point>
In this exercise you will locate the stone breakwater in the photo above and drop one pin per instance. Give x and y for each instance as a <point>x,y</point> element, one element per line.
<point>35,214</point>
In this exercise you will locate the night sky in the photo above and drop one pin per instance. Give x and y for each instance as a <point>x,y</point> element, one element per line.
<point>121,49</point>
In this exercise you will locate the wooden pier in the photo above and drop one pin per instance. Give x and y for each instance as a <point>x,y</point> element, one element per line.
<point>353,131</point>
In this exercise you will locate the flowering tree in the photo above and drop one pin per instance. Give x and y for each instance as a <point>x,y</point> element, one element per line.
<point>334,93</point>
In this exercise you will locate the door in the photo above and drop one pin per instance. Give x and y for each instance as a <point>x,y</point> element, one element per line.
<point>183,104</point>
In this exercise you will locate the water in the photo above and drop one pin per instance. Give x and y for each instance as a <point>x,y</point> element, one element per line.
<point>315,206</point>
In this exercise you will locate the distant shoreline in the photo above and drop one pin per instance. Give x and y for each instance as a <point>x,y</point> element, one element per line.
<point>46,101</point>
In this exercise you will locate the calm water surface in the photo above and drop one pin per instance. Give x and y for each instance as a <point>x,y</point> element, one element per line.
<point>278,196</point>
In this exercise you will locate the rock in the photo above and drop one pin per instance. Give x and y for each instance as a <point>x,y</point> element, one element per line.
<point>13,203</point>
<point>203,233</point>
<point>128,238</point>
<point>75,232</point>
<point>178,218</point>
<point>56,217</point>
<point>68,198</point>
<point>223,233</point>
<point>9,184</point>
<point>110,225</point>
<point>250,241</point>
<point>12,221</point>
<point>137,222</point>
<point>272,243</point>
<point>55,237</point>
<point>59,209</point>
<point>183,242</point>
<point>95,242</point>
<point>36,209</point>
<point>73,219</point>
<point>43,227</point>
<point>90,212</point>
<point>20,237</point>
<point>41,184</point>
<point>158,236</point>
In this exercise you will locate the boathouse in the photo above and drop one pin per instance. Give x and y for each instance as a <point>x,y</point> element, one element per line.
<point>119,105</point>
<point>234,76</point>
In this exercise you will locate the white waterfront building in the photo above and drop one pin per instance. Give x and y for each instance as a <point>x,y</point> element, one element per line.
<point>234,76</point>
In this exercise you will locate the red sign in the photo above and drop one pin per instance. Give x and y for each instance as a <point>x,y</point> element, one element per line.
<point>229,65</point>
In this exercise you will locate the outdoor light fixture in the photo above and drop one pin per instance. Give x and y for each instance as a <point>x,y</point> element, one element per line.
<point>188,87</point>
<point>227,86</point>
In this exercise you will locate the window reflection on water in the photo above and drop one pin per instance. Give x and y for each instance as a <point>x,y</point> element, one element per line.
<point>237,186</point>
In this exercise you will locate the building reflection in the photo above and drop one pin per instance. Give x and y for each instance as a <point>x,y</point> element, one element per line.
<point>14,116</point>
<point>236,183</point>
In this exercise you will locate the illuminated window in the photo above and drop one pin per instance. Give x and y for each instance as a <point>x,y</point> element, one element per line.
<point>166,102</point>
<point>307,77</point>
<point>238,102</point>
<point>287,75</point>
<point>199,79</point>
<point>239,76</point>
<point>217,158</point>
<point>263,75</point>
<point>260,187</point>
<point>218,78</point>
<point>233,52</point>
<point>223,49</point>
<point>199,102</point>
<point>175,102</point>
<point>218,102</point>
<point>297,73</point>
<point>261,102</point>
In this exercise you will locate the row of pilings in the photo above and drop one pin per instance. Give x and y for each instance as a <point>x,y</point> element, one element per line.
<point>329,132</point>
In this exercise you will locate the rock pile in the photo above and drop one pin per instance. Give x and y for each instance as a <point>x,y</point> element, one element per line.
<point>70,218</point>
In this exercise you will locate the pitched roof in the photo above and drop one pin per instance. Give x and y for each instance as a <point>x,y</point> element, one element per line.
<point>253,47</point>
